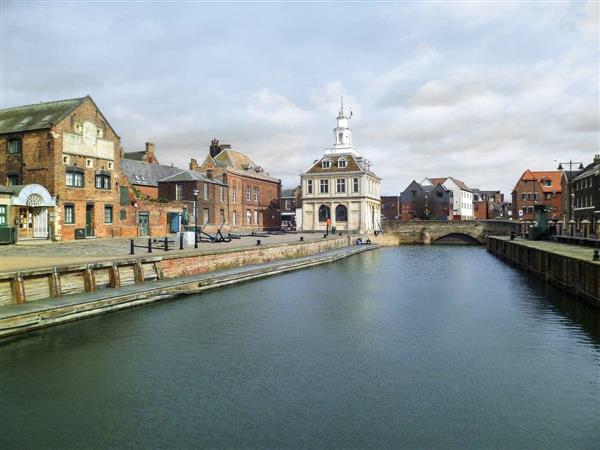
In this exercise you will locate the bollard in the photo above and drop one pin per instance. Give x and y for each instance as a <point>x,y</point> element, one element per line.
<point>596,256</point>
<point>325,236</point>
<point>149,245</point>
<point>132,248</point>
<point>166,244</point>
<point>301,238</point>
<point>258,242</point>
<point>340,233</point>
<point>512,235</point>
<point>180,241</point>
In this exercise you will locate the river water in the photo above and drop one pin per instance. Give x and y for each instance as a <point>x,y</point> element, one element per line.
<point>409,347</point>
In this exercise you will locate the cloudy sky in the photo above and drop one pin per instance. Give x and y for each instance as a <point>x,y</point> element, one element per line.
<point>479,91</point>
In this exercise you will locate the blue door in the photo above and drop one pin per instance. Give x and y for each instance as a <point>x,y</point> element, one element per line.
<point>174,221</point>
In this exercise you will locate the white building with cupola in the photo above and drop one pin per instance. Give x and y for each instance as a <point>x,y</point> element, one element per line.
<point>341,188</point>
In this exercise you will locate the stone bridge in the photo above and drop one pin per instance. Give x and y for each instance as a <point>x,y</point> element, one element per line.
<point>396,232</point>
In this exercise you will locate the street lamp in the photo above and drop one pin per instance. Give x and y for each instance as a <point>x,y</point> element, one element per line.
<point>195,218</point>
<point>570,182</point>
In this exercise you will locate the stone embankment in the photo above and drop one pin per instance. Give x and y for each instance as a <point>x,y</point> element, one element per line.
<point>569,267</point>
<point>38,298</point>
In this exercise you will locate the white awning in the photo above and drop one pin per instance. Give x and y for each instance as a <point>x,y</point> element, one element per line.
<point>32,195</point>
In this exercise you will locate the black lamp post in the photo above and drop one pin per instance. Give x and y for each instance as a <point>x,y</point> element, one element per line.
<point>195,218</point>
<point>570,183</point>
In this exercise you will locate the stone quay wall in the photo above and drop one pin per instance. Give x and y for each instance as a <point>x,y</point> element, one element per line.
<point>40,284</point>
<point>398,232</point>
<point>574,275</point>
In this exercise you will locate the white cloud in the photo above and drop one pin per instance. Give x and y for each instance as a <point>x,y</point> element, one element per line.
<point>588,23</point>
<point>266,106</point>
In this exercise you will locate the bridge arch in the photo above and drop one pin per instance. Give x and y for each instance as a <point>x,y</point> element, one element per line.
<point>456,238</point>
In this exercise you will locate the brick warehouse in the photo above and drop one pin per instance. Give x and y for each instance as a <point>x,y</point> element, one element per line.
<point>60,162</point>
<point>253,195</point>
<point>538,188</point>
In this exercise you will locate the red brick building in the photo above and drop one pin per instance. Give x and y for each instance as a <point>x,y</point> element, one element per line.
<point>213,206</point>
<point>64,159</point>
<point>538,188</point>
<point>253,195</point>
<point>488,204</point>
<point>391,207</point>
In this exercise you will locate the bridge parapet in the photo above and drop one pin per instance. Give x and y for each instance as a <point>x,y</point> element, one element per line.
<point>396,232</point>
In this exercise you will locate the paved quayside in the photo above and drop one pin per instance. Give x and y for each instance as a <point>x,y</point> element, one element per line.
<point>19,318</point>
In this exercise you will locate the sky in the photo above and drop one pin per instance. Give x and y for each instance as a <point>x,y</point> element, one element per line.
<point>476,90</point>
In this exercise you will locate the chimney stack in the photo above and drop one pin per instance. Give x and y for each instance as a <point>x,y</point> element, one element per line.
<point>596,159</point>
<point>150,152</point>
<point>215,149</point>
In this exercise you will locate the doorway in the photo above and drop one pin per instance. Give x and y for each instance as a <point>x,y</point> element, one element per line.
<point>143,224</point>
<point>89,220</point>
<point>40,222</point>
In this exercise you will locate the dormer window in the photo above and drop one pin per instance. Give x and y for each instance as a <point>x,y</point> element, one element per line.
<point>342,163</point>
<point>548,182</point>
<point>326,164</point>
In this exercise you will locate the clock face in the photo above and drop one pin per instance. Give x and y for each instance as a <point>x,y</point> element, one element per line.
<point>89,133</point>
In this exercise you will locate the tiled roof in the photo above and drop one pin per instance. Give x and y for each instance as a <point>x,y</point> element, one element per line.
<point>38,116</point>
<point>459,183</point>
<point>146,174</point>
<point>354,164</point>
<point>240,163</point>
<point>554,176</point>
<point>437,180</point>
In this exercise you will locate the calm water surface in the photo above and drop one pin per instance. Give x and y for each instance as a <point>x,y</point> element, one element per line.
<point>412,347</point>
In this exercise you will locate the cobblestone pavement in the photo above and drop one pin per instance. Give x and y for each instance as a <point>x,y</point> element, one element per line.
<point>41,254</point>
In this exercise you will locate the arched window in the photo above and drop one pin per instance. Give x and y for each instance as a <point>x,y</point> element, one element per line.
<point>341,213</point>
<point>324,213</point>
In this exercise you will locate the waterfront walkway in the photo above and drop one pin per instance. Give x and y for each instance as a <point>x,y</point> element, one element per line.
<point>28,255</point>
<point>18,318</point>
<point>568,250</point>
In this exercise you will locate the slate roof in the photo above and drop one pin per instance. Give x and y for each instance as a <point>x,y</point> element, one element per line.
<point>7,189</point>
<point>288,192</point>
<point>38,116</point>
<point>189,175</point>
<point>146,174</point>
<point>136,156</point>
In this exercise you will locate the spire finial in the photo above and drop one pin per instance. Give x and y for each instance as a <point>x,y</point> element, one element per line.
<point>341,113</point>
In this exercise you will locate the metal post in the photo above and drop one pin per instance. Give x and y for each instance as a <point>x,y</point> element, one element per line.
<point>180,241</point>
<point>196,218</point>
<point>132,248</point>
<point>166,243</point>
<point>149,245</point>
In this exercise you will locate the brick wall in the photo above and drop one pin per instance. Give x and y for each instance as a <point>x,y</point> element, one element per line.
<point>192,265</point>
